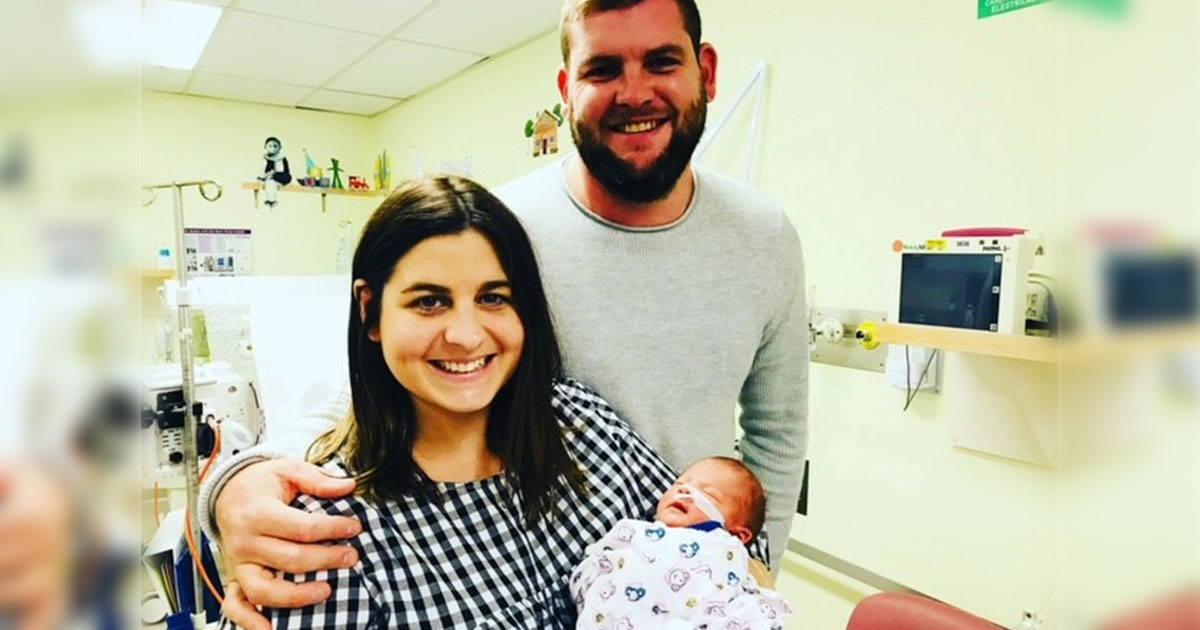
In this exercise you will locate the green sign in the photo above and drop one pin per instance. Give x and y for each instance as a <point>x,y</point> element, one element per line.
<point>988,8</point>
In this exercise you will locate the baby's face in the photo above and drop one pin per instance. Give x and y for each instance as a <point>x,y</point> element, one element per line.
<point>716,479</point>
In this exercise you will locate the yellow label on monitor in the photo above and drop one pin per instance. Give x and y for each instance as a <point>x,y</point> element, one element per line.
<point>935,246</point>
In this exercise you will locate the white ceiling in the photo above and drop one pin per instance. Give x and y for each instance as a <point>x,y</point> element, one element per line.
<point>349,56</point>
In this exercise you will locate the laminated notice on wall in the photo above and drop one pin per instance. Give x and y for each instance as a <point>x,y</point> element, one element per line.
<point>218,251</point>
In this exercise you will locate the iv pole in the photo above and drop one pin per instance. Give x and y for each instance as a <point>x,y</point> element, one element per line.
<point>210,191</point>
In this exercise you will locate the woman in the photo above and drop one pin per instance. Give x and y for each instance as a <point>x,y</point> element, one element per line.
<point>482,473</point>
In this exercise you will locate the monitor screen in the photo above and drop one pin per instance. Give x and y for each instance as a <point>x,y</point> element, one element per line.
<point>1152,288</point>
<point>956,290</point>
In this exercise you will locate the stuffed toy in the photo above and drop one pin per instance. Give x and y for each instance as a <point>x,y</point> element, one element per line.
<point>276,173</point>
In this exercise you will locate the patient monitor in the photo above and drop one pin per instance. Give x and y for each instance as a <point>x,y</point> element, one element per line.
<point>975,279</point>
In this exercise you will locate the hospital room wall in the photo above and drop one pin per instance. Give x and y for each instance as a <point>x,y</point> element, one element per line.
<point>881,122</point>
<point>478,116</point>
<point>187,137</point>
<point>886,123</point>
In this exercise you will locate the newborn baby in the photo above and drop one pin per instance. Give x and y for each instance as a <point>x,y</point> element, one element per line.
<point>687,569</point>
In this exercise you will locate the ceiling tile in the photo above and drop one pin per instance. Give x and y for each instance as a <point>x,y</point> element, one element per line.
<point>347,102</point>
<point>253,90</point>
<point>401,69</point>
<point>166,79</point>
<point>274,49</point>
<point>493,26</point>
<point>367,16</point>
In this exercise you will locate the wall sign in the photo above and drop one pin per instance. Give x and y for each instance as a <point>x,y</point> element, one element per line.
<point>989,8</point>
<point>218,252</point>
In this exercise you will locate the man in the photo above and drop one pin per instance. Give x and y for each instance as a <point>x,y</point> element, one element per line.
<point>676,292</point>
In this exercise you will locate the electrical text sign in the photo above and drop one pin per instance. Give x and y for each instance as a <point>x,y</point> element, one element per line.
<point>988,8</point>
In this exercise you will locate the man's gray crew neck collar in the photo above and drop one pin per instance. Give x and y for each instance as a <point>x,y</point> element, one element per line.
<point>587,212</point>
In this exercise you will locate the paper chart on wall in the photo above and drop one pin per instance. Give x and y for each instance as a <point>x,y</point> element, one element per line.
<point>218,251</point>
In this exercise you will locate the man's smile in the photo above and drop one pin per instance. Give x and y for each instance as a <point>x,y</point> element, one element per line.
<point>640,126</point>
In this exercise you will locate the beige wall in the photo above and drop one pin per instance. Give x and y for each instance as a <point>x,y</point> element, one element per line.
<point>186,138</point>
<point>479,114</point>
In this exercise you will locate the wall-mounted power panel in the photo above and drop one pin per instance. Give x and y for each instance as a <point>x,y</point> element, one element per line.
<point>833,340</point>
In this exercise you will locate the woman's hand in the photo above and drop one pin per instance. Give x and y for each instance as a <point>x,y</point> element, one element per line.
<point>261,534</point>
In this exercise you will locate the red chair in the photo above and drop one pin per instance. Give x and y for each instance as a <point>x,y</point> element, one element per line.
<point>902,611</point>
<point>1178,613</point>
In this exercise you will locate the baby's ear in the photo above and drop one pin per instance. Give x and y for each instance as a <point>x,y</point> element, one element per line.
<point>741,533</point>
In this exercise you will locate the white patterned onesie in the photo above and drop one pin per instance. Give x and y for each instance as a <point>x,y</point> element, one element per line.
<point>647,575</point>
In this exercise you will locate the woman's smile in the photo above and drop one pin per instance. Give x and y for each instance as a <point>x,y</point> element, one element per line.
<point>460,368</point>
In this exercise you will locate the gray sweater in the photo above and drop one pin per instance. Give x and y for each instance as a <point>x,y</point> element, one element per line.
<point>673,325</point>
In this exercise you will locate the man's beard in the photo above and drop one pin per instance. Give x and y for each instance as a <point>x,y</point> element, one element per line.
<point>622,179</point>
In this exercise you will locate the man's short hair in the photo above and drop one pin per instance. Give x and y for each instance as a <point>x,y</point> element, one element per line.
<point>755,499</point>
<point>576,10</point>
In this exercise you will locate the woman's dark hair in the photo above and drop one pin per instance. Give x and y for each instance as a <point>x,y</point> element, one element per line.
<point>377,441</point>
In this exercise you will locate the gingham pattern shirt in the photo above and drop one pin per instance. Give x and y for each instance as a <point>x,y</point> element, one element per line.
<point>468,560</point>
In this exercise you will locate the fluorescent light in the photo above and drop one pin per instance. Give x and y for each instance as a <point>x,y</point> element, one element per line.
<point>174,33</point>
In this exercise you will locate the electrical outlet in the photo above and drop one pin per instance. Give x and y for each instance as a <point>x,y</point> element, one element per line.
<point>831,337</point>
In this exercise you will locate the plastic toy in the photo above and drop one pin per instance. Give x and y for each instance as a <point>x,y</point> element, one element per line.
<point>276,172</point>
<point>336,169</point>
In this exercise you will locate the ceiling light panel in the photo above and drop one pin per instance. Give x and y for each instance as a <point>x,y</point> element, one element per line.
<point>174,33</point>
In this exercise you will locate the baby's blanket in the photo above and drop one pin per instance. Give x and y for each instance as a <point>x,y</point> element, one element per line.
<point>648,575</point>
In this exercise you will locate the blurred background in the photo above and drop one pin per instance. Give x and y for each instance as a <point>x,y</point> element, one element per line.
<point>68,285</point>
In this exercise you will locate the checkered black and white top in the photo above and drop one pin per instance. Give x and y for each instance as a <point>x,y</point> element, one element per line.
<point>468,560</point>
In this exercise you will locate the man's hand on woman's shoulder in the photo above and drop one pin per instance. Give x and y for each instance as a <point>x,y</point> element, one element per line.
<point>262,535</point>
